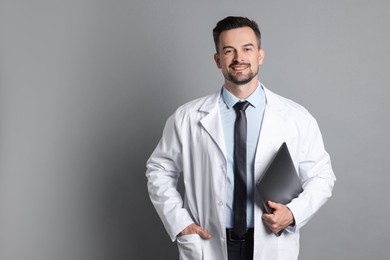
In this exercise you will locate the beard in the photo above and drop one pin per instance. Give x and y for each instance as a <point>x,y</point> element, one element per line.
<point>240,79</point>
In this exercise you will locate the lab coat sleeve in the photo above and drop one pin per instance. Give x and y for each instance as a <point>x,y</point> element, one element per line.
<point>163,171</point>
<point>316,174</point>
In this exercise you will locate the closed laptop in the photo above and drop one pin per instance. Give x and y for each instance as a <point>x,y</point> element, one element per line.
<point>280,182</point>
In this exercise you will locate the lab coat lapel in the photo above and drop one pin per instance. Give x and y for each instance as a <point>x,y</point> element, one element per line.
<point>212,123</point>
<point>271,134</point>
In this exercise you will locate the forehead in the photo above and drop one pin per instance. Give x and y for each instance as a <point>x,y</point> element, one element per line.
<point>237,37</point>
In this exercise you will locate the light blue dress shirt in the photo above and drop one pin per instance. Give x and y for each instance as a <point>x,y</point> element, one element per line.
<point>254,114</point>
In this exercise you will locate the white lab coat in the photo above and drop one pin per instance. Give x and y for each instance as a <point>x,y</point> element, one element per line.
<point>193,145</point>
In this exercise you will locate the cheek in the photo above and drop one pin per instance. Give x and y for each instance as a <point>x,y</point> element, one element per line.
<point>256,62</point>
<point>223,64</point>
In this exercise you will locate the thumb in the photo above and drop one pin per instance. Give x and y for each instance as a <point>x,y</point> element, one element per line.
<point>273,205</point>
<point>204,234</point>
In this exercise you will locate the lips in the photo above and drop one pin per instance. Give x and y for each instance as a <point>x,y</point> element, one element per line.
<point>239,67</point>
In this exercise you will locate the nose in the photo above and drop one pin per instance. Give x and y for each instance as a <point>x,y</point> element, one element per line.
<point>238,57</point>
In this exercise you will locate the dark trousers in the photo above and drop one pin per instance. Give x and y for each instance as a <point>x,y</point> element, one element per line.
<point>239,248</point>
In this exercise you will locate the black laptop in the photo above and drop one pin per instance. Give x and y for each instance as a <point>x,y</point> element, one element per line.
<point>280,182</point>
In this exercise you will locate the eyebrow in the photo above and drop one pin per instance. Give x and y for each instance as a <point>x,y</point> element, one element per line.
<point>248,45</point>
<point>227,47</point>
<point>245,45</point>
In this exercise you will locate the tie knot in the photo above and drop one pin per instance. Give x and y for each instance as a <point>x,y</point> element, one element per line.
<point>241,105</point>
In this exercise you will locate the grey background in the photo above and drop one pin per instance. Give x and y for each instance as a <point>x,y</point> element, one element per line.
<point>86,87</point>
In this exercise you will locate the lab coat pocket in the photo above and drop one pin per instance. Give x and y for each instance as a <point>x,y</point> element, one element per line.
<point>190,247</point>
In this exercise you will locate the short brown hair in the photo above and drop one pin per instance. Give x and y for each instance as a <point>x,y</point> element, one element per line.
<point>233,22</point>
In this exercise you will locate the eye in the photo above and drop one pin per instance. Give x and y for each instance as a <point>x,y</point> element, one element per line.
<point>228,51</point>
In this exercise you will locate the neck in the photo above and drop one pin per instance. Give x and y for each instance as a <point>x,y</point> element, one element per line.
<point>242,91</point>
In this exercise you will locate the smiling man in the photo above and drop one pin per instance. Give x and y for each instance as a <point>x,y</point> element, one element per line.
<point>239,56</point>
<point>221,144</point>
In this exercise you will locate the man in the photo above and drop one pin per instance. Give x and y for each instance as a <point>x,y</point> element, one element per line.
<point>201,142</point>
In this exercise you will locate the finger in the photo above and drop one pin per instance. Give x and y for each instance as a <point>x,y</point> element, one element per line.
<point>267,216</point>
<point>195,229</point>
<point>274,205</point>
<point>271,204</point>
<point>272,226</point>
<point>190,229</point>
<point>204,234</point>
<point>269,219</point>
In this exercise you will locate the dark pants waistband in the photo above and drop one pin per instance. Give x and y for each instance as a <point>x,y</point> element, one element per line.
<point>239,248</point>
<point>231,236</point>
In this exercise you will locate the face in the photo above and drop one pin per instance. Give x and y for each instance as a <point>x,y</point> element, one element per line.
<point>239,56</point>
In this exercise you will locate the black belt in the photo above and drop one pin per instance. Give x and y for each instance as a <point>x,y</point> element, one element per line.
<point>231,236</point>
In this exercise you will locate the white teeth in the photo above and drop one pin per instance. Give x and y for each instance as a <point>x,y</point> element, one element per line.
<point>239,68</point>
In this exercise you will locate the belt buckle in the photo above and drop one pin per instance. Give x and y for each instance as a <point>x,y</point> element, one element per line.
<point>230,237</point>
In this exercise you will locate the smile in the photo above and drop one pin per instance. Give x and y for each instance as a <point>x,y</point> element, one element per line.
<point>240,67</point>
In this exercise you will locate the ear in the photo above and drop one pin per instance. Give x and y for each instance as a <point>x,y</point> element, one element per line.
<point>217,60</point>
<point>261,56</point>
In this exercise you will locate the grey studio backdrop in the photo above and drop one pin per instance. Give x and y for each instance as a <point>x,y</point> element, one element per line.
<point>86,87</point>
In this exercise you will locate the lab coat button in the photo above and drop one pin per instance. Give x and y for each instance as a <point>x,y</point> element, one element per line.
<point>220,203</point>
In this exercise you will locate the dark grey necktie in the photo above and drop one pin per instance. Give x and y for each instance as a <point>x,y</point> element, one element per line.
<point>240,195</point>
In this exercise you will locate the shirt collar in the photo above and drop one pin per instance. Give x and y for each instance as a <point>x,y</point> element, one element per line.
<point>254,99</point>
